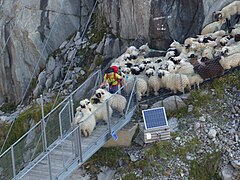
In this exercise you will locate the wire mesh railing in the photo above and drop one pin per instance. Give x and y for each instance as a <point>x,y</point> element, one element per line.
<point>41,136</point>
<point>75,149</point>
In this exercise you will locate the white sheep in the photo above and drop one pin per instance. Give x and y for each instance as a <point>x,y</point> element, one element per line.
<point>212,27</point>
<point>116,101</point>
<point>229,50</point>
<point>86,120</point>
<point>230,61</point>
<point>144,48</point>
<point>141,86</point>
<point>175,82</point>
<point>228,11</point>
<point>208,52</point>
<point>132,50</point>
<point>186,68</point>
<point>99,109</point>
<point>154,82</point>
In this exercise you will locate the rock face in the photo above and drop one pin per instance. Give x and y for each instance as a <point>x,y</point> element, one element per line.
<point>30,31</point>
<point>159,21</point>
<point>33,30</point>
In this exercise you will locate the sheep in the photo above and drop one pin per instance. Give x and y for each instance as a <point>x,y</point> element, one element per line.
<point>230,61</point>
<point>212,27</point>
<point>116,101</point>
<point>233,31</point>
<point>132,50</point>
<point>154,82</point>
<point>99,109</point>
<point>86,120</point>
<point>208,52</point>
<point>229,50</point>
<point>174,82</point>
<point>144,48</point>
<point>228,11</point>
<point>212,68</point>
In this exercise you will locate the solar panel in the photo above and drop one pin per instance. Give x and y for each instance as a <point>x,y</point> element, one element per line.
<point>154,118</point>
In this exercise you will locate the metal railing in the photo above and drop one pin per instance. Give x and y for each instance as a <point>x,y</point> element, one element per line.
<point>55,125</point>
<point>73,149</point>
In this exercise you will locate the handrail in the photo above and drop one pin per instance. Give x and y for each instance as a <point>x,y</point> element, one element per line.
<point>54,109</point>
<point>74,130</point>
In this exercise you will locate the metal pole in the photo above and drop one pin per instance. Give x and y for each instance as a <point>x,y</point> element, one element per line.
<point>79,143</point>
<point>13,162</point>
<point>108,118</point>
<point>45,138</point>
<point>130,98</point>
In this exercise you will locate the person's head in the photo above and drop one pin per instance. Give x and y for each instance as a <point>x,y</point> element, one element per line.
<point>109,71</point>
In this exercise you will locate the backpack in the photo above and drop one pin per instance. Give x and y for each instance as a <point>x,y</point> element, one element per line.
<point>115,70</point>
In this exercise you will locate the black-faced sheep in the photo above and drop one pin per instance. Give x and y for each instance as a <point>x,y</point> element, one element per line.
<point>229,50</point>
<point>154,82</point>
<point>228,11</point>
<point>86,120</point>
<point>99,109</point>
<point>230,61</point>
<point>212,27</point>
<point>116,101</point>
<point>174,82</point>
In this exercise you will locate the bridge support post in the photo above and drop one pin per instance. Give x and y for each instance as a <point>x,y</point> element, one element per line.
<point>108,118</point>
<point>130,98</point>
<point>13,162</point>
<point>43,124</point>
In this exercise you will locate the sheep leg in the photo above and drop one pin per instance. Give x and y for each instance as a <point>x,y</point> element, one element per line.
<point>156,93</point>
<point>228,23</point>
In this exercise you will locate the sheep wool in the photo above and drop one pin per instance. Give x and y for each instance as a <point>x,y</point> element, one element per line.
<point>230,61</point>
<point>212,27</point>
<point>86,121</point>
<point>228,11</point>
<point>116,101</point>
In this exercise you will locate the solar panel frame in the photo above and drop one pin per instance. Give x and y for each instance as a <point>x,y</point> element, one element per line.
<point>157,126</point>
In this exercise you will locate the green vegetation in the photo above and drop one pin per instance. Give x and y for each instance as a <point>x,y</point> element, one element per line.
<point>206,168</point>
<point>8,107</point>
<point>22,122</point>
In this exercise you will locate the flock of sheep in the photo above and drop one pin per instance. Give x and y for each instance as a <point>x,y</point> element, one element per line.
<point>95,109</point>
<point>185,65</point>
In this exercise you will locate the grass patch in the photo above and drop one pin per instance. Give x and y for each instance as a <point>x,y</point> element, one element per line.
<point>130,176</point>
<point>8,107</point>
<point>189,147</point>
<point>106,157</point>
<point>207,168</point>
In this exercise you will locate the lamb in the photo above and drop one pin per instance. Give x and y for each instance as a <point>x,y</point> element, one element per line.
<point>230,61</point>
<point>86,120</point>
<point>212,27</point>
<point>212,68</point>
<point>228,11</point>
<point>116,101</point>
<point>174,82</point>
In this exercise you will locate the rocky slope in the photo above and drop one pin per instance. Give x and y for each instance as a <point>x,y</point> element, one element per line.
<point>204,141</point>
<point>31,31</point>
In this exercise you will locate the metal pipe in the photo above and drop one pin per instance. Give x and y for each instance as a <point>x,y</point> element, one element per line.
<point>13,162</point>
<point>45,138</point>
<point>108,117</point>
<point>130,98</point>
<point>79,144</point>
